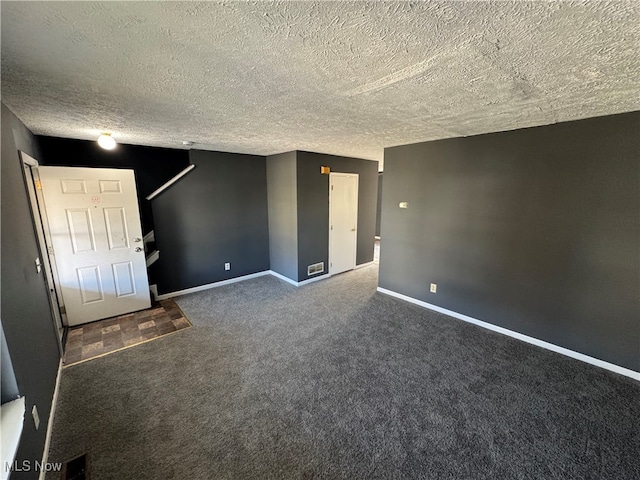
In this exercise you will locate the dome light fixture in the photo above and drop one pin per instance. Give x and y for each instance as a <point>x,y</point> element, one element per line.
<point>106,141</point>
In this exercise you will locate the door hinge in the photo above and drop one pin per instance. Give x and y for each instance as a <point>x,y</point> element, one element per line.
<point>50,250</point>
<point>63,310</point>
<point>38,184</point>
<point>331,227</point>
<point>331,187</point>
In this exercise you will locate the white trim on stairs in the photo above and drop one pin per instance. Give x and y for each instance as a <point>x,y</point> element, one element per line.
<point>149,237</point>
<point>152,258</point>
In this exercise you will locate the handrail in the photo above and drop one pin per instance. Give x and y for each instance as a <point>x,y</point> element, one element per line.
<point>171,182</point>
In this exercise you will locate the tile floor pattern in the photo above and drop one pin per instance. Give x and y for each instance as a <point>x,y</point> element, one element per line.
<point>104,336</point>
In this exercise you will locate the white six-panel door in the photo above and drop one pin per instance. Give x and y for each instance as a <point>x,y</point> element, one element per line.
<point>96,237</point>
<point>343,220</point>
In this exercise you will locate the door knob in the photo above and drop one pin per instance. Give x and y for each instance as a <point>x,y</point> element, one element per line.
<point>137,239</point>
<point>138,249</point>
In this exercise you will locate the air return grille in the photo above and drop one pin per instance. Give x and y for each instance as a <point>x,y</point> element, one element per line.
<point>315,268</point>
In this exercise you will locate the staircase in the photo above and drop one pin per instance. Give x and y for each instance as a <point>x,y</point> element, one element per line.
<point>151,252</point>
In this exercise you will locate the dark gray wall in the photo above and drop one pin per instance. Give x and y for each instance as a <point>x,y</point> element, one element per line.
<point>379,205</point>
<point>313,207</point>
<point>283,214</point>
<point>215,214</point>
<point>153,166</point>
<point>25,312</point>
<point>535,230</point>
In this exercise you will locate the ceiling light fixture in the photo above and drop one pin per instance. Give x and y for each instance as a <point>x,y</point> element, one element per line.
<point>106,141</point>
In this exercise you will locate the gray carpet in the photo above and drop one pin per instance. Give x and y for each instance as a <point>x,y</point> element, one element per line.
<point>334,380</point>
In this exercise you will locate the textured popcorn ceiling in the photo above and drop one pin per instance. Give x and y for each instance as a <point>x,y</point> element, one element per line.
<point>347,78</point>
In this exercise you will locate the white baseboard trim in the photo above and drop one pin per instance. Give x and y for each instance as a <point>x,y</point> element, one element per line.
<point>47,441</point>
<point>314,279</point>
<point>211,285</point>
<point>525,338</point>
<point>282,277</point>
<point>164,296</point>
<point>362,265</point>
<point>298,284</point>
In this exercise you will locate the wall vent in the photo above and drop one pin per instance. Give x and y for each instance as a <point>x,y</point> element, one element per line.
<point>75,469</point>
<point>315,268</point>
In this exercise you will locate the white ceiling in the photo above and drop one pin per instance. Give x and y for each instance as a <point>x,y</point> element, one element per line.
<point>347,78</point>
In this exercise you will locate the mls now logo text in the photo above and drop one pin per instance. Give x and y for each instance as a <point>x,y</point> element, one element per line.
<point>28,466</point>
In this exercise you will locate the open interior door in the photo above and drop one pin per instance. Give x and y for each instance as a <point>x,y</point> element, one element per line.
<point>96,238</point>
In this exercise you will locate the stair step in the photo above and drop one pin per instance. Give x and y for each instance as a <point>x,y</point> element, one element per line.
<point>152,257</point>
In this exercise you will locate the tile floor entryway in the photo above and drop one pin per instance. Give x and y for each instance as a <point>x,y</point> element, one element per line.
<point>95,339</point>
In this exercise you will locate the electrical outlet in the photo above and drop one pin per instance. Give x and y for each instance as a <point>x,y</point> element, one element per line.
<point>434,288</point>
<point>227,266</point>
<point>36,417</point>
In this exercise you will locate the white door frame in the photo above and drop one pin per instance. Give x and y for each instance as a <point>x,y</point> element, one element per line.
<point>43,237</point>
<point>355,243</point>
